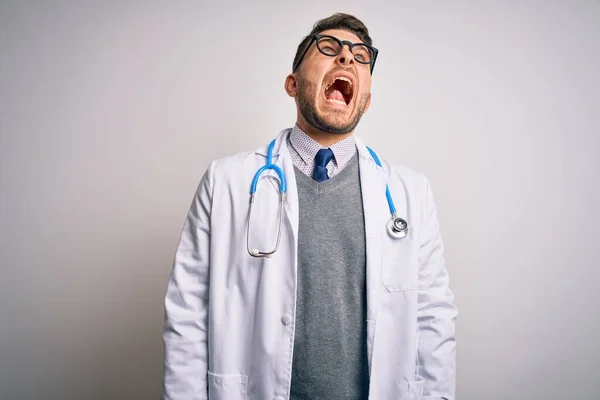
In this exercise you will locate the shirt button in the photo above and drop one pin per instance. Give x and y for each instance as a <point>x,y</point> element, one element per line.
<point>286,320</point>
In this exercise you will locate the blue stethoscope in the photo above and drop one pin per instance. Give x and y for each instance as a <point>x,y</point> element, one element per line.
<point>396,227</point>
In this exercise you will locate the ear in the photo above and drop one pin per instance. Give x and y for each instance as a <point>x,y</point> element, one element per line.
<point>291,85</point>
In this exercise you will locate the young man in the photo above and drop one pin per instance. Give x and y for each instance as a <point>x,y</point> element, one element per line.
<point>319,285</point>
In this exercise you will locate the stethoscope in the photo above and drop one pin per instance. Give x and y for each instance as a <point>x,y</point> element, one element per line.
<point>396,227</point>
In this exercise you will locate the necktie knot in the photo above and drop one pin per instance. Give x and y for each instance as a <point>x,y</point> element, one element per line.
<point>324,156</point>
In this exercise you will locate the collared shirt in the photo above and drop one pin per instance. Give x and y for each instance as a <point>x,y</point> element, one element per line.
<point>303,150</point>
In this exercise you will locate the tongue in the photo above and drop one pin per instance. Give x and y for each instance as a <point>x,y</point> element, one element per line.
<point>336,95</point>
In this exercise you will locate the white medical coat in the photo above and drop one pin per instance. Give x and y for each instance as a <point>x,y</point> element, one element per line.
<point>230,317</point>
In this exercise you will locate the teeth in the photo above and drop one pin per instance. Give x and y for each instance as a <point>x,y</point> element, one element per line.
<point>341,78</point>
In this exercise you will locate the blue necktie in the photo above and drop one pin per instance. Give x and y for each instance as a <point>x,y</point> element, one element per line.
<point>321,160</point>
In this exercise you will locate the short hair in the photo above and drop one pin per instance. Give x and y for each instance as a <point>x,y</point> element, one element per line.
<point>337,21</point>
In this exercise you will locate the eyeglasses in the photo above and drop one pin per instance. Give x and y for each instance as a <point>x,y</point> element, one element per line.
<point>332,46</point>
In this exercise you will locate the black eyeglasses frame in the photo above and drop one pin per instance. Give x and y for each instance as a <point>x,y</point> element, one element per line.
<point>316,37</point>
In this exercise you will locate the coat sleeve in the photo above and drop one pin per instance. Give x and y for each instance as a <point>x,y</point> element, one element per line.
<point>436,313</point>
<point>186,303</point>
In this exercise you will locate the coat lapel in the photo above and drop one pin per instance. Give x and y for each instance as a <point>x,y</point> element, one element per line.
<point>373,179</point>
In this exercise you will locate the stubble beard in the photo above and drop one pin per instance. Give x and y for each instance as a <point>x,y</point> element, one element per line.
<point>307,98</point>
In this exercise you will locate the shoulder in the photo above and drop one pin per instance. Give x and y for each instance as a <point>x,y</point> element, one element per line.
<point>415,183</point>
<point>407,174</point>
<point>412,179</point>
<point>221,168</point>
<point>404,181</point>
<point>234,165</point>
<point>412,185</point>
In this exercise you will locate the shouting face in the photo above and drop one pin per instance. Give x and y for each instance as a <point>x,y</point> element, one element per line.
<point>332,92</point>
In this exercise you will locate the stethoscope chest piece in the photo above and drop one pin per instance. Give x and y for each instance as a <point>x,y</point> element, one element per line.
<point>397,227</point>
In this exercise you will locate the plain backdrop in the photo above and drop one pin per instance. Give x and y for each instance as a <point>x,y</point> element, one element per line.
<point>111,111</point>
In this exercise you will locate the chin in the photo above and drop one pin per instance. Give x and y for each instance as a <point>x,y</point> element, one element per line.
<point>337,119</point>
<point>337,125</point>
<point>330,117</point>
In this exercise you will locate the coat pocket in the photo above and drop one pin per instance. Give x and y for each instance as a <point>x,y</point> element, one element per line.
<point>400,267</point>
<point>416,389</point>
<point>227,387</point>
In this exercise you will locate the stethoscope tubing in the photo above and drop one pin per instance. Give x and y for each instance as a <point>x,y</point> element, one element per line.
<point>397,227</point>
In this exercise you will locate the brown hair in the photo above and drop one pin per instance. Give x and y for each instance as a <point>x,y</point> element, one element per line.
<point>337,21</point>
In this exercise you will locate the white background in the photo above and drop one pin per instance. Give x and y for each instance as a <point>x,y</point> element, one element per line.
<point>111,111</point>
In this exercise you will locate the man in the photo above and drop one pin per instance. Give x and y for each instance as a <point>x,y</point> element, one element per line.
<point>309,295</point>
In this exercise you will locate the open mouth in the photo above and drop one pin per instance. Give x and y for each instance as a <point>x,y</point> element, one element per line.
<point>339,91</point>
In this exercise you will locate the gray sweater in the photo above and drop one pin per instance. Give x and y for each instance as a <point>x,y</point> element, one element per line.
<point>330,353</point>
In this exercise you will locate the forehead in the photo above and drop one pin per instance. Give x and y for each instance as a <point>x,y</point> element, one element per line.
<point>342,35</point>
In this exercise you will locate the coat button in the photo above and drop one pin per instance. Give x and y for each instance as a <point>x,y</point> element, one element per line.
<point>286,320</point>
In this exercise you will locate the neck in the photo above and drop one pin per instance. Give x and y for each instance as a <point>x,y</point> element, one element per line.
<point>325,139</point>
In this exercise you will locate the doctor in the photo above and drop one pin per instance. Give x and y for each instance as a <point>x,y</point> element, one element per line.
<point>319,292</point>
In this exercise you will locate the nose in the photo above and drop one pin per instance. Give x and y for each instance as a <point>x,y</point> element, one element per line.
<point>346,57</point>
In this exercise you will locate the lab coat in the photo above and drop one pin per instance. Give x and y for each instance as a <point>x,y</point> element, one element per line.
<point>230,317</point>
